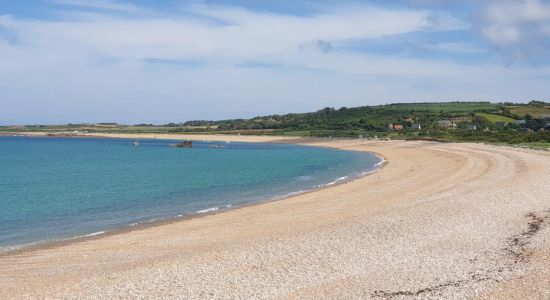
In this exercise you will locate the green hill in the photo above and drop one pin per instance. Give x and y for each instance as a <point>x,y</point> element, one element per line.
<point>495,118</point>
<point>351,121</point>
<point>520,111</point>
<point>451,121</point>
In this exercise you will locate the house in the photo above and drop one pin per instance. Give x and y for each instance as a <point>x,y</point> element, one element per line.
<point>446,123</point>
<point>501,124</point>
<point>541,130</point>
<point>416,126</point>
<point>471,127</point>
<point>395,127</point>
<point>545,116</point>
<point>519,122</point>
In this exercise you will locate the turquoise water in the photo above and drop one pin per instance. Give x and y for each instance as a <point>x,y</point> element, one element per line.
<point>56,188</point>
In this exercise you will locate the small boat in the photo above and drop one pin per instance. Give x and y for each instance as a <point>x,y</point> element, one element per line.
<point>216,146</point>
<point>184,144</point>
<point>136,143</point>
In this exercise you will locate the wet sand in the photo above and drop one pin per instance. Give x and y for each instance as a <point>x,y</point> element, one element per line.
<point>439,220</point>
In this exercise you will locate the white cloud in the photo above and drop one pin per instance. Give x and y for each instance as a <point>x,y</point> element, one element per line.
<point>517,11</point>
<point>517,28</point>
<point>237,34</point>
<point>98,68</point>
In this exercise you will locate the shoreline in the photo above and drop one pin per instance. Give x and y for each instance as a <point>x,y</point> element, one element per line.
<point>53,243</point>
<point>166,136</point>
<point>438,220</point>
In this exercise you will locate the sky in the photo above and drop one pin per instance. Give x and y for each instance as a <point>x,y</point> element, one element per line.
<point>75,61</point>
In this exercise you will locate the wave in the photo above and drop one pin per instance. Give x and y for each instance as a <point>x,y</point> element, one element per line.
<point>376,167</point>
<point>17,247</point>
<point>6,249</point>
<point>89,235</point>
<point>337,180</point>
<point>287,195</point>
<point>381,162</point>
<point>211,209</point>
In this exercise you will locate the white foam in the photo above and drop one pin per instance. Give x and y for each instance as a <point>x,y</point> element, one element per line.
<point>363,174</point>
<point>289,194</point>
<point>211,209</point>
<point>20,246</point>
<point>375,169</point>
<point>296,193</point>
<point>16,247</point>
<point>381,162</point>
<point>91,234</point>
<point>338,180</point>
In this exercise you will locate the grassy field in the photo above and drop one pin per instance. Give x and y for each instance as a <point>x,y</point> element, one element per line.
<point>495,118</point>
<point>534,110</point>
<point>445,107</point>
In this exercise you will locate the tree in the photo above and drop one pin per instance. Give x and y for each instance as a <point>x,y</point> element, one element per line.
<point>536,102</point>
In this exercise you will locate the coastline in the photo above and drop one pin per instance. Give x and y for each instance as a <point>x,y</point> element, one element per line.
<point>416,225</point>
<point>53,243</point>
<point>166,136</point>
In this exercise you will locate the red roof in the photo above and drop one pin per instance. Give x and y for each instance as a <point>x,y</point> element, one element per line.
<point>397,127</point>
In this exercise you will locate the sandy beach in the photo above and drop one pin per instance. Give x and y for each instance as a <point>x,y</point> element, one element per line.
<point>169,136</point>
<point>439,220</point>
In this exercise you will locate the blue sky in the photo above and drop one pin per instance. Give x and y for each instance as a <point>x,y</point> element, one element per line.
<point>70,61</point>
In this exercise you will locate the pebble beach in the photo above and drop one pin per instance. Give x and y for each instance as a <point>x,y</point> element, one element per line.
<point>438,220</point>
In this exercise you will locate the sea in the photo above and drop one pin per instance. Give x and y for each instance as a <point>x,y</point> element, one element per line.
<point>55,188</point>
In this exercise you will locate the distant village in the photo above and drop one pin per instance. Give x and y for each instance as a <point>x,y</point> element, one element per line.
<point>540,124</point>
